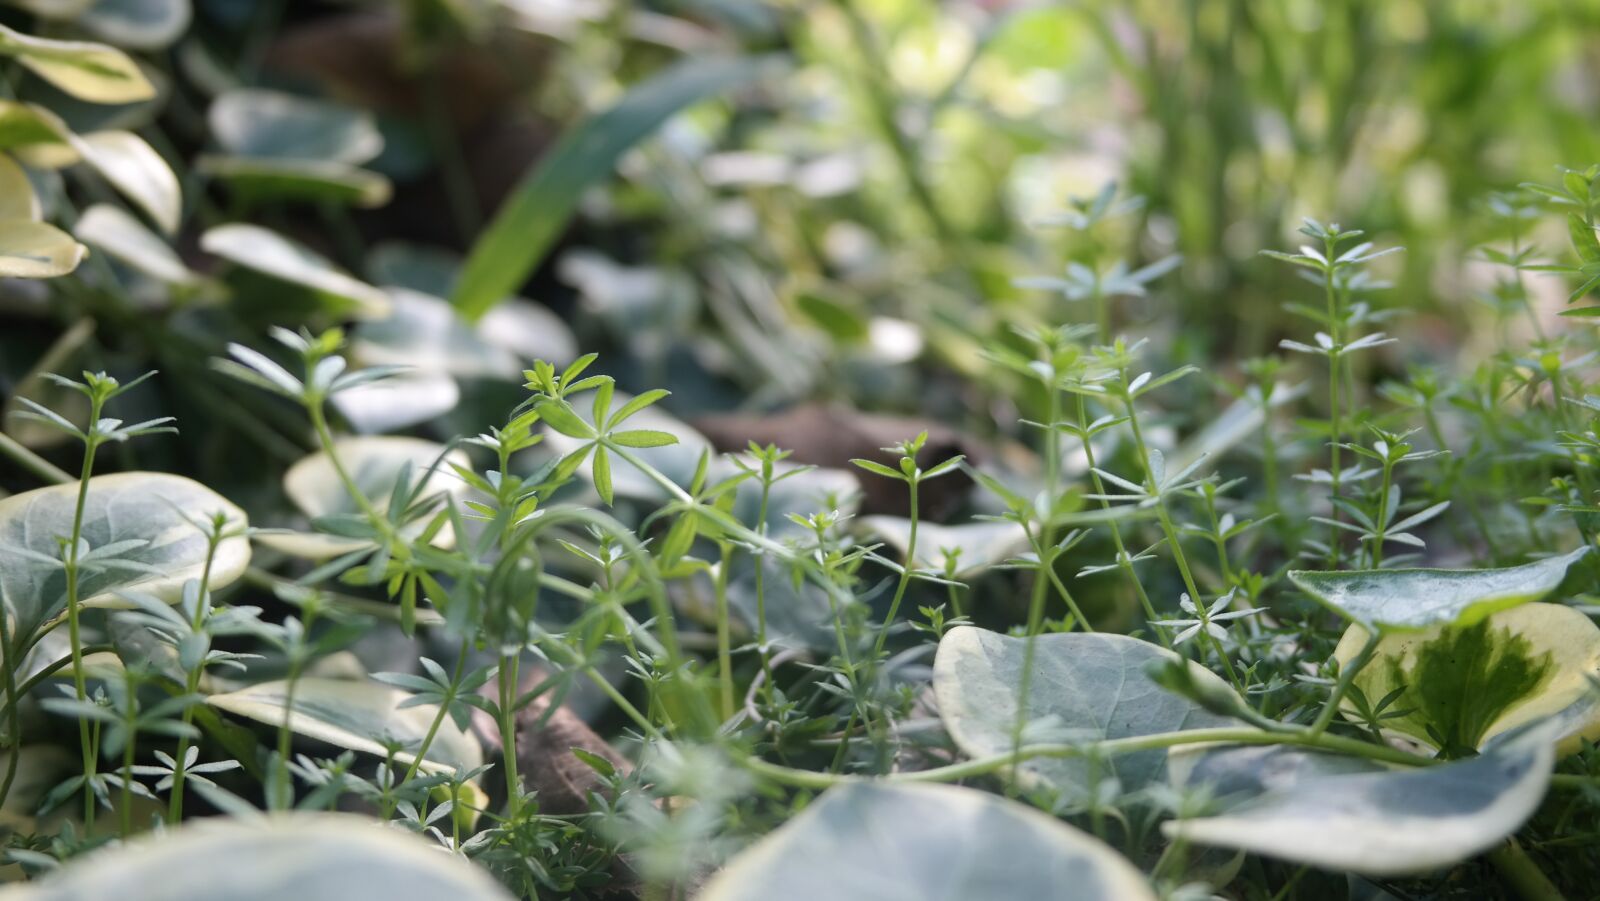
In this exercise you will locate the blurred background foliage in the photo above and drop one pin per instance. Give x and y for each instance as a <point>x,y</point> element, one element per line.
<point>847,225</point>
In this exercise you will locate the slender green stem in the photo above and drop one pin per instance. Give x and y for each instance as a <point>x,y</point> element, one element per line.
<point>1164,516</point>
<point>508,732</point>
<point>984,766</point>
<point>444,711</point>
<point>1124,559</point>
<point>910,564</point>
<point>1347,677</point>
<point>724,640</point>
<point>74,631</point>
<point>1335,414</point>
<point>192,682</point>
<point>1524,876</point>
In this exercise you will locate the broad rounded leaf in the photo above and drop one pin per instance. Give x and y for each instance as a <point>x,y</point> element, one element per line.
<point>138,24</point>
<point>868,842</point>
<point>1392,600</point>
<point>88,71</point>
<point>126,239</point>
<point>396,402</point>
<point>31,249</point>
<point>252,122</point>
<point>274,255</point>
<point>1464,685</point>
<point>424,332</point>
<point>374,463</point>
<point>1390,823</point>
<point>142,512</point>
<point>304,856</point>
<point>1090,686</point>
<point>359,716</point>
<point>980,545</point>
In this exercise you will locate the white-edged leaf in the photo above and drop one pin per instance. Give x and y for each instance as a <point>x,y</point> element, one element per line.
<point>359,716</point>
<point>88,71</point>
<point>870,842</point>
<point>1412,599</point>
<point>307,856</point>
<point>274,255</point>
<point>142,506</point>
<point>1391,823</point>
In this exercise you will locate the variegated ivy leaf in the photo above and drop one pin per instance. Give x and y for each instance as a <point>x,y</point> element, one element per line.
<point>869,842</point>
<point>277,257</point>
<point>1399,600</point>
<point>92,72</point>
<point>1389,823</point>
<point>1086,686</point>
<point>141,536</point>
<point>375,464</point>
<point>1460,686</point>
<point>361,716</point>
<point>306,856</point>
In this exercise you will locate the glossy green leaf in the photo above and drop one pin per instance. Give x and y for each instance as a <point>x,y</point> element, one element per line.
<point>305,856</point>
<point>1464,685</point>
<point>1085,686</point>
<point>374,464</point>
<point>868,842</point>
<point>274,255</point>
<point>143,508</point>
<point>360,716</point>
<point>1390,823</point>
<point>531,219</point>
<point>92,72</point>
<point>1412,599</point>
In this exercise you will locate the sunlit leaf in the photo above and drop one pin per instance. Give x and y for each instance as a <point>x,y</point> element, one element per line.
<point>1464,685</point>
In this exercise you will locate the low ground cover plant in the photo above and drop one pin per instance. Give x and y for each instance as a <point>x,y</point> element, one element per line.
<point>394,587</point>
